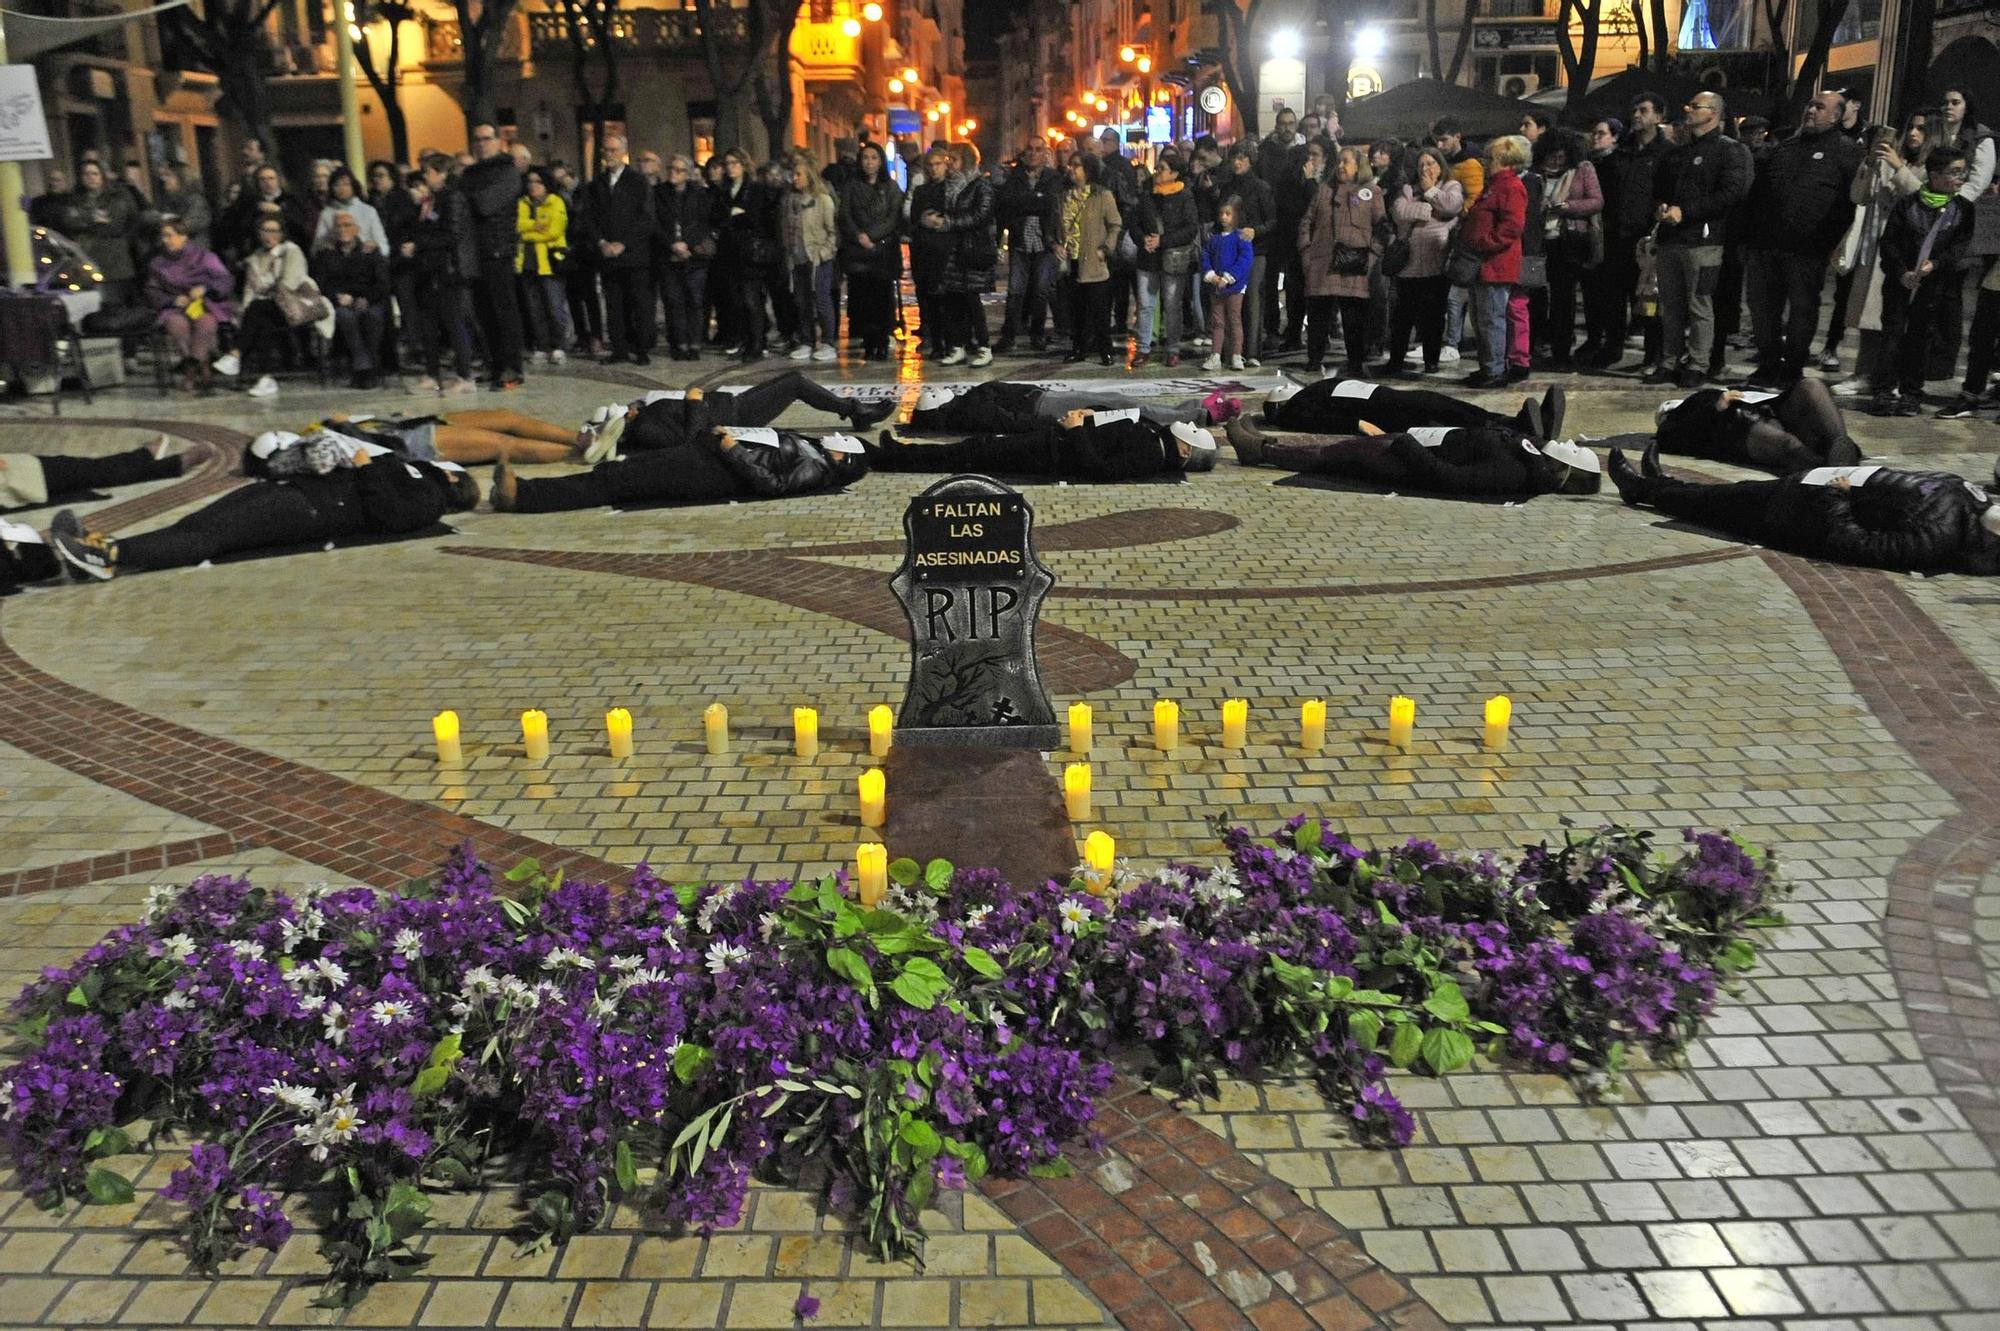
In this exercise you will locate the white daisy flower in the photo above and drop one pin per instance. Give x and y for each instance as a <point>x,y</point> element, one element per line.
<point>559,957</point>
<point>480,981</point>
<point>331,973</point>
<point>389,1011</point>
<point>767,924</point>
<point>721,956</point>
<point>408,944</point>
<point>977,916</point>
<point>334,1022</point>
<point>705,918</point>
<point>248,950</point>
<point>177,1001</point>
<point>1075,915</point>
<point>159,899</point>
<point>312,1002</point>
<point>644,975</point>
<point>178,948</point>
<point>627,962</point>
<point>604,1007</point>
<point>301,1099</point>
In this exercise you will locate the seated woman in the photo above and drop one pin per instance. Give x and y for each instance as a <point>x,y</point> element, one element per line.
<point>373,497</point>
<point>275,266</point>
<point>1084,445</point>
<point>1778,432</point>
<point>1876,517</point>
<point>666,418</point>
<point>999,407</point>
<point>720,464</point>
<point>28,480</point>
<point>190,288</point>
<point>1338,406</point>
<point>1492,461</point>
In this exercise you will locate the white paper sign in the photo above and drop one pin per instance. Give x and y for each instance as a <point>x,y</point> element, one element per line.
<point>1756,397</point>
<point>1354,388</point>
<point>662,395</point>
<point>1113,417</point>
<point>24,131</point>
<point>761,435</point>
<point>1838,475</point>
<point>1431,436</point>
<point>19,533</point>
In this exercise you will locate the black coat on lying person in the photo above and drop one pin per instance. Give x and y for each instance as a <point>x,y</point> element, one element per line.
<point>1338,406</point>
<point>1875,517</point>
<point>993,407</point>
<point>1105,447</point>
<point>703,470</point>
<point>1783,432</point>
<point>667,418</point>
<point>1489,461</point>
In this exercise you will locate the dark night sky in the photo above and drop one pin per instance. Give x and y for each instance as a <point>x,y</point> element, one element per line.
<point>984,22</point>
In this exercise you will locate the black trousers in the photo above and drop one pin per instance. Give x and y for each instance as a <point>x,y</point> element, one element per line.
<point>1090,318</point>
<point>1910,319</point>
<point>1808,431</point>
<point>641,478</point>
<point>264,336</point>
<point>1353,313</point>
<point>1784,306</point>
<point>586,315</point>
<point>1981,343</point>
<point>1741,509</point>
<point>1027,454</point>
<point>67,475</point>
<point>870,310</point>
<point>628,309</point>
<point>762,403</point>
<point>1420,307</point>
<point>685,286</point>
<point>499,317</point>
<point>440,316</point>
<point>255,516</point>
<point>1557,327</point>
<point>751,322</point>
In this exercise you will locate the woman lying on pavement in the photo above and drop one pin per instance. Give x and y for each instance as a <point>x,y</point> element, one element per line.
<point>29,480</point>
<point>468,438</point>
<point>1082,446</point>
<point>1492,461</point>
<point>999,407</point>
<point>665,418</point>
<point>1877,517</point>
<point>1338,406</point>
<point>720,464</point>
<point>1780,432</point>
<point>377,494</point>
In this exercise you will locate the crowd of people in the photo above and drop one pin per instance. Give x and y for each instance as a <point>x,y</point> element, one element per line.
<point>1546,249</point>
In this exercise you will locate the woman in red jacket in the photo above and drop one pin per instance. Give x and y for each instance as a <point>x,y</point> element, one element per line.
<point>1492,230</point>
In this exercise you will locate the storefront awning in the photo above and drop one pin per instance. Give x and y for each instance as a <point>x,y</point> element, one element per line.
<point>30,35</point>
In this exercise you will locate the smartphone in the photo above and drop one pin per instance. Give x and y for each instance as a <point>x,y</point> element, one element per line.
<point>1881,134</point>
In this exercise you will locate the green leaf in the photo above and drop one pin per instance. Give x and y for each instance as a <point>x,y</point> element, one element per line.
<point>1740,955</point>
<point>106,1141</point>
<point>75,997</point>
<point>1446,1050</point>
<point>921,983</point>
<point>850,966</point>
<point>429,1082</point>
<point>922,1138</point>
<point>1447,1003</point>
<point>1385,915</point>
<point>918,1194</point>
<point>980,962</point>
<point>690,1061</point>
<point>622,1166</point>
<point>526,871</point>
<point>904,872</point>
<point>937,875</point>
<point>1406,1044</point>
<point>1056,1168</point>
<point>107,1186</point>
<point>687,894</point>
<point>1306,839</point>
<point>1365,1028</point>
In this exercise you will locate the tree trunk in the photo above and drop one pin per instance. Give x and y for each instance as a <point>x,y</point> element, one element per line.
<point>1578,62</point>
<point>241,75</point>
<point>1829,14</point>
<point>1240,74</point>
<point>388,89</point>
<point>1660,33</point>
<point>1431,31</point>
<point>1464,40</point>
<point>716,44</point>
<point>480,44</point>
<point>1645,40</point>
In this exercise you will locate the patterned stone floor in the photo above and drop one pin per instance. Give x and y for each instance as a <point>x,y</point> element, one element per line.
<point>1825,1161</point>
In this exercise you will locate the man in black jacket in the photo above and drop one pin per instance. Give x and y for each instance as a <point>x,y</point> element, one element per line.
<point>357,282</point>
<point>1697,186</point>
<point>668,417</point>
<point>1629,213</point>
<point>1030,208</point>
<point>717,465</point>
<point>492,189</point>
<point>680,209</point>
<point>1000,407</point>
<point>1084,445</point>
<point>1799,211</point>
<point>1877,517</point>
<point>1339,406</point>
<point>622,213</point>
<point>1256,218</point>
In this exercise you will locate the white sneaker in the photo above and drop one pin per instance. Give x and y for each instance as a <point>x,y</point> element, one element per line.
<point>1241,361</point>
<point>557,357</point>
<point>1856,387</point>
<point>458,386</point>
<point>802,353</point>
<point>956,356</point>
<point>427,385</point>
<point>265,387</point>
<point>538,358</point>
<point>983,356</point>
<point>228,364</point>
<point>1448,356</point>
<point>1236,362</point>
<point>1212,363</point>
<point>825,352</point>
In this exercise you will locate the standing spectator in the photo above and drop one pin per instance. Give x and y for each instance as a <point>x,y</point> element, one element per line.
<point>1572,204</point>
<point>1754,132</point>
<point>190,288</point>
<point>680,210</point>
<point>437,258</point>
<point>249,164</point>
<point>1958,127</point>
<point>1227,262</point>
<point>1256,215</point>
<point>586,310</point>
<point>622,219</point>
<point>1424,214</point>
<point>1339,245</point>
<point>180,198</point>
<point>1274,150</point>
<point>812,237</point>
<point>1169,249</point>
<point>1922,257</point>
<point>1892,171</point>
<point>1801,208</point>
<point>745,215</point>
<point>871,220</point>
<point>1601,282</point>
<point>344,196</point>
<point>1278,166</point>
<point>1294,196</point>
<point>102,220</point>
<point>1449,136</point>
<point>1121,178</point>
<point>385,190</point>
<point>357,282</point>
<point>50,208</point>
<point>492,187</point>
<point>975,251</point>
<point>1028,207</point>
<point>322,187</point>
<point>241,228</point>
<point>1493,229</point>
<point>541,220</point>
<point>1697,186</point>
<point>1090,227</point>
<point>1629,215</point>
<point>1535,124</point>
<point>930,248</point>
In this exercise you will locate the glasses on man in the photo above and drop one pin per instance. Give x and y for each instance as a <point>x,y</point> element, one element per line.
<point>484,138</point>
<point>1960,171</point>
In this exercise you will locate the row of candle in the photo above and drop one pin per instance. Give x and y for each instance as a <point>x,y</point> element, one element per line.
<point>871,867</point>
<point>882,728</point>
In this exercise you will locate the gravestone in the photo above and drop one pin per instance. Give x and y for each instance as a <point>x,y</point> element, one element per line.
<point>973,589</point>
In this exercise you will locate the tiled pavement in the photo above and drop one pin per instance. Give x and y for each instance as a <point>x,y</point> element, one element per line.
<point>1825,1161</point>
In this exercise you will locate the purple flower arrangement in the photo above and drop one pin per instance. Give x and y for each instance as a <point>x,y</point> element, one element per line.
<point>659,1045</point>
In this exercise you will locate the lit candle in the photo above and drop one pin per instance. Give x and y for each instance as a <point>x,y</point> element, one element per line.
<point>881,730</point>
<point>1235,722</point>
<point>1312,724</point>
<point>1166,725</point>
<point>618,729</point>
<point>805,732</point>
<point>1076,791</point>
<point>871,872</point>
<point>1079,727</point>
<point>1499,715</point>
<point>715,723</point>
<point>874,790</point>
<point>1099,850</point>
<point>1402,720</point>
<point>444,727</point>
<point>535,734</point>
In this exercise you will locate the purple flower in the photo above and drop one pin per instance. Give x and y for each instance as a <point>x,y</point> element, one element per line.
<point>261,1221</point>
<point>806,1308</point>
<point>205,1175</point>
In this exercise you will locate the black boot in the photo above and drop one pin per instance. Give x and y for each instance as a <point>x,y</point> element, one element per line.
<point>1649,462</point>
<point>865,414</point>
<point>1554,403</point>
<point>1529,418</point>
<point>1632,487</point>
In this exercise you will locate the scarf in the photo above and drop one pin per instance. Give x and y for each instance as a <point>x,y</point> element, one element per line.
<point>1933,201</point>
<point>1072,218</point>
<point>954,185</point>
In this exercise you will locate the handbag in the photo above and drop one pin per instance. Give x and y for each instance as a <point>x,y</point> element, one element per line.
<point>1126,256</point>
<point>302,304</point>
<point>1178,260</point>
<point>1461,265</point>
<point>1849,253</point>
<point>1349,260</point>
<point>1396,257</point>
<point>1534,272</point>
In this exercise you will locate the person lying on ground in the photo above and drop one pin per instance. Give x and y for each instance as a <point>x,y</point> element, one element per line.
<point>1338,406</point>
<point>469,438</point>
<point>1082,446</point>
<point>665,418</point>
<point>29,480</point>
<point>1778,432</point>
<point>718,465</point>
<point>379,494</point>
<point>1875,517</point>
<point>999,407</point>
<point>1489,461</point>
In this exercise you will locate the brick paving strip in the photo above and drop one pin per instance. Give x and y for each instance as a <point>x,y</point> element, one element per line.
<point>1944,711</point>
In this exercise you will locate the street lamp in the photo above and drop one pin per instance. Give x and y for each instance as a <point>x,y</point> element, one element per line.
<point>1128,54</point>
<point>872,12</point>
<point>910,74</point>
<point>895,86</point>
<point>851,27</point>
<point>1286,44</point>
<point>1370,43</point>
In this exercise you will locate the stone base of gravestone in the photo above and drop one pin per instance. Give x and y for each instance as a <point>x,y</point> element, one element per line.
<point>980,808</point>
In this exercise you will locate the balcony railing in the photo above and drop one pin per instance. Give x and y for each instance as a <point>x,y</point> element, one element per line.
<point>1517,9</point>
<point>444,46</point>
<point>826,51</point>
<point>663,31</point>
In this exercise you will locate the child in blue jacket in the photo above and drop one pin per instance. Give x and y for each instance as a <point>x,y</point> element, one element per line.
<point>1225,269</point>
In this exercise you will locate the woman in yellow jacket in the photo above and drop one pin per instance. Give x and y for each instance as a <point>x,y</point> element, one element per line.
<point>542,221</point>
